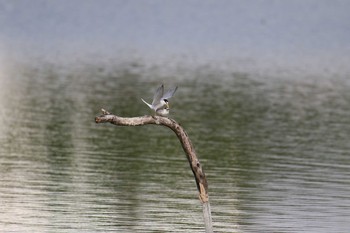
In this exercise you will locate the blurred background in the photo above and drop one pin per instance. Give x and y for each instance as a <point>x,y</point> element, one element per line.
<point>264,94</point>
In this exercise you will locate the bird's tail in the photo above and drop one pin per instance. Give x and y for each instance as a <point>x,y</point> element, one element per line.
<point>149,105</point>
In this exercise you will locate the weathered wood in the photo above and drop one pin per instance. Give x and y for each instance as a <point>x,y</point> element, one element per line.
<point>201,181</point>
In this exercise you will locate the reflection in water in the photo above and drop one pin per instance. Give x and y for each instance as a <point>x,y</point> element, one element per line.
<point>275,152</point>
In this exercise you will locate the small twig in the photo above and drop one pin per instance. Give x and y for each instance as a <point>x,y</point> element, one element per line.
<point>105,112</point>
<point>201,181</point>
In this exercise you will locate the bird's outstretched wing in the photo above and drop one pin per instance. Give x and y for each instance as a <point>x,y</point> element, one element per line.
<point>158,95</point>
<point>169,93</point>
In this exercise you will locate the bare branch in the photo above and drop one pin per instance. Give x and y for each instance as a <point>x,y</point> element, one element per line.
<point>186,143</point>
<point>201,181</point>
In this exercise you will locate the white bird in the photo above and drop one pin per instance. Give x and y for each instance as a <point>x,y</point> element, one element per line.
<point>160,103</point>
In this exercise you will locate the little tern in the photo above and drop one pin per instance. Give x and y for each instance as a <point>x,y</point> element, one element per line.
<point>160,103</point>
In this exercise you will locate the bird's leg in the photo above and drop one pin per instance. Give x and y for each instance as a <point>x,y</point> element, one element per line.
<point>154,114</point>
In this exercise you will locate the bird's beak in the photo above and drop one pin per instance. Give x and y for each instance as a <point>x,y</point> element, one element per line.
<point>167,105</point>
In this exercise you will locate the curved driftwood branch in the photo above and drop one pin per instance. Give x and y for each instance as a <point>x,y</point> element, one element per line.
<point>201,181</point>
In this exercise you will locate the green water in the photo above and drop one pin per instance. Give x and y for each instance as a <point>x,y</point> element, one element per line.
<point>275,152</point>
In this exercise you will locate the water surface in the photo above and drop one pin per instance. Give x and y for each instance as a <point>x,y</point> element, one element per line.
<point>275,152</point>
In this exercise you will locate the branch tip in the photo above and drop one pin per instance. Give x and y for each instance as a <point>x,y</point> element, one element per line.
<point>105,112</point>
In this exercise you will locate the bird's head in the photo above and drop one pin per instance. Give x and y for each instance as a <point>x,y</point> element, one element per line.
<point>166,103</point>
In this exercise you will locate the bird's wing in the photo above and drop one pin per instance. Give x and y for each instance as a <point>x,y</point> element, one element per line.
<point>158,95</point>
<point>169,93</point>
<point>150,106</point>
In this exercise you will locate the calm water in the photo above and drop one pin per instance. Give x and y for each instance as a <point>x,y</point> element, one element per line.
<point>275,152</point>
